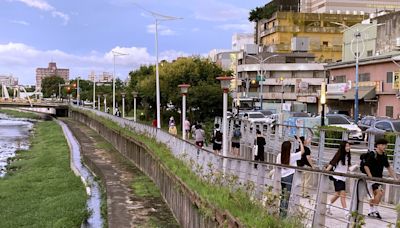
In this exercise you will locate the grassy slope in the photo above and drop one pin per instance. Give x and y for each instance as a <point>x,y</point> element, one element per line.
<point>237,203</point>
<point>17,114</point>
<point>42,191</point>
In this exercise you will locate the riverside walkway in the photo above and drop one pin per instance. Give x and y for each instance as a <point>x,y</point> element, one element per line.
<point>264,187</point>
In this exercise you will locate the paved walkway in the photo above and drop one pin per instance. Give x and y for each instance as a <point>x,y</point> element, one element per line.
<point>124,208</point>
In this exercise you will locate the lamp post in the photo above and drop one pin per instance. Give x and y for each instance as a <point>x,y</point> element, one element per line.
<point>94,93</point>
<point>123,104</point>
<point>225,83</point>
<point>134,94</point>
<point>105,102</point>
<point>261,74</point>
<point>323,102</point>
<point>98,102</point>
<point>184,90</point>
<point>357,37</point>
<point>115,54</point>
<point>78,96</point>
<point>159,17</point>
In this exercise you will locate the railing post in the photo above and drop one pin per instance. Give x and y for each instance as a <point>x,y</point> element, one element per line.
<point>260,180</point>
<point>396,155</point>
<point>321,199</point>
<point>277,180</point>
<point>371,141</point>
<point>321,147</point>
<point>295,191</point>
<point>345,135</point>
<point>356,203</point>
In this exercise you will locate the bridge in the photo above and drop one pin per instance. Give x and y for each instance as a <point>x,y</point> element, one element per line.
<point>53,108</point>
<point>263,183</point>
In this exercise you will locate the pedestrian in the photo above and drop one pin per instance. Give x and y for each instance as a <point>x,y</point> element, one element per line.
<point>171,121</point>
<point>374,164</point>
<point>260,142</point>
<point>154,123</point>
<point>286,158</point>
<point>187,128</point>
<point>217,139</point>
<point>306,160</point>
<point>172,129</point>
<point>340,163</point>
<point>199,136</point>
<point>236,140</point>
<point>108,110</point>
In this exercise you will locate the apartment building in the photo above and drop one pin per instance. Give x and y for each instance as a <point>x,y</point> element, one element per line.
<point>348,6</point>
<point>8,80</point>
<point>51,70</point>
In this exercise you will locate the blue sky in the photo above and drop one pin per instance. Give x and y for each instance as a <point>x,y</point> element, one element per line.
<point>80,35</point>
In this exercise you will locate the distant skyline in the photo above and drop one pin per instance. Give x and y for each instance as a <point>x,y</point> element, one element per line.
<point>81,35</point>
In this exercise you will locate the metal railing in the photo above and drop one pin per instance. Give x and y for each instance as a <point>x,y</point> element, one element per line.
<point>263,183</point>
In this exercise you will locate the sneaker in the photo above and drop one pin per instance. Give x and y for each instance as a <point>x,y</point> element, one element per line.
<point>375,214</point>
<point>328,210</point>
<point>378,216</point>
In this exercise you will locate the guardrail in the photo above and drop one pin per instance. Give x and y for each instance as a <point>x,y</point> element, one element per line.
<point>240,173</point>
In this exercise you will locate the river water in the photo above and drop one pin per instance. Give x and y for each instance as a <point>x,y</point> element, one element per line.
<point>14,135</point>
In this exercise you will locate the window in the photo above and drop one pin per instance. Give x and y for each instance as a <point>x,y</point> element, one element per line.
<point>389,111</point>
<point>325,43</point>
<point>340,79</point>
<point>384,126</point>
<point>265,26</point>
<point>396,126</point>
<point>364,77</point>
<point>337,120</point>
<point>389,77</point>
<point>369,53</point>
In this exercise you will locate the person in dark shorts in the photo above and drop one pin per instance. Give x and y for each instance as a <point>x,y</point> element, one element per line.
<point>217,139</point>
<point>340,163</point>
<point>236,135</point>
<point>305,161</point>
<point>260,141</point>
<point>374,168</point>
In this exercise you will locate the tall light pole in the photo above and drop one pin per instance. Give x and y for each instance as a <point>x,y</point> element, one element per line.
<point>134,94</point>
<point>159,17</point>
<point>105,102</point>
<point>94,93</point>
<point>261,74</point>
<point>225,83</point>
<point>123,104</point>
<point>115,54</point>
<point>184,90</point>
<point>78,95</point>
<point>98,102</point>
<point>357,36</point>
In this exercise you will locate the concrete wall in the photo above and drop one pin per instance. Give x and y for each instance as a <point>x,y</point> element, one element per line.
<point>184,203</point>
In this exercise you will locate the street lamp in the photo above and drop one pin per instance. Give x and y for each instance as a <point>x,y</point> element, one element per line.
<point>115,54</point>
<point>357,37</point>
<point>184,91</point>
<point>78,95</point>
<point>225,83</point>
<point>159,17</point>
<point>98,101</point>
<point>134,94</point>
<point>261,74</point>
<point>123,104</point>
<point>105,102</point>
<point>94,93</point>
<point>323,102</point>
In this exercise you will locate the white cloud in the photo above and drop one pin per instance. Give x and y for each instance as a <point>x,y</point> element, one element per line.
<point>162,30</point>
<point>242,27</point>
<point>20,22</point>
<point>195,29</point>
<point>21,60</point>
<point>44,6</point>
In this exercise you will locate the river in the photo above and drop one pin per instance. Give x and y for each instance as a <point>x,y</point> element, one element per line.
<point>14,135</point>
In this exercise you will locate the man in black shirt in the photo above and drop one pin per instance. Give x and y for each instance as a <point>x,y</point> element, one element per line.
<point>374,168</point>
<point>305,161</point>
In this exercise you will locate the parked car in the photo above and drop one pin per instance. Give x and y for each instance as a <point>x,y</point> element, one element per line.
<point>257,118</point>
<point>340,120</point>
<point>368,121</point>
<point>387,125</point>
<point>266,113</point>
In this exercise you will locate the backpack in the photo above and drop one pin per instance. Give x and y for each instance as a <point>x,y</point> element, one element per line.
<point>236,133</point>
<point>218,136</point>
<point>363,160</point>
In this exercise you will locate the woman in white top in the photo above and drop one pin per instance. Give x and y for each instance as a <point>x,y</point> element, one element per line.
<point>287,158</point>
<point>340,163</point>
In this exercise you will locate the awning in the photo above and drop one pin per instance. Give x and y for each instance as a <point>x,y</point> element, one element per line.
<point>364,92</point>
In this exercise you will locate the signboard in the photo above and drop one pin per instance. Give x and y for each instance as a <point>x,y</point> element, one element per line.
<point>396,80</point>
<point>286,107</point>
<point>260,78</point>
<point>337,88</point>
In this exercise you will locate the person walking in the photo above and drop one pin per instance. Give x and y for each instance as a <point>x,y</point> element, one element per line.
<point>260,142</point>
<point>305,160</point>
<point>236,141</point>
<point>199,136</point>
<point>287,158</point>
<point>172,129</point>
<point>217,139</point>
<point>374,168</point>
<point>187,129</point>
<point>340,163</point>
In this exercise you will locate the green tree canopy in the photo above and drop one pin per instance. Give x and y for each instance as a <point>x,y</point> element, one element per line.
<point>50,85</point>
<point>262,12</point>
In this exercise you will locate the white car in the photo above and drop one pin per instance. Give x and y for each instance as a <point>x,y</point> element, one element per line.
<point>257,118</point>
<point>338,120</point>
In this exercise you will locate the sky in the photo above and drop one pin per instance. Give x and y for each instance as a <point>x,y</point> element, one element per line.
<point>81,34</point>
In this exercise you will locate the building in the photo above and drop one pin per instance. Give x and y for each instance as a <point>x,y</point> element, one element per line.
<point>92,76</point>
<point>290,78</point>
<point>377,95</point>
<point>348,6</point>
<point>287,32</point>
<point>239,40</point>
<point>105,77</point>
<point>51,70</point>
<point>8,80</point>
<point>388,35</point>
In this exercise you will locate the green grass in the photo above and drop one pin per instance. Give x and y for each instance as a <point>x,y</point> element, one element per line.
<point>42,191</point>
<point>143,186</point>
<point>18,114</point>
<point>238,203</point>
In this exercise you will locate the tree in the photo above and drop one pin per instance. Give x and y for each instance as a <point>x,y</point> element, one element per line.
<point>50,85</point>
<point>264,12</point>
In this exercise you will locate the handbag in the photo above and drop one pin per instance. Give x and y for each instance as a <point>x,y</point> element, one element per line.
<point>255,150</point>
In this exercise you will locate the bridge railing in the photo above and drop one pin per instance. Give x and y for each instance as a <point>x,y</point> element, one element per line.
<point>263,183</point>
